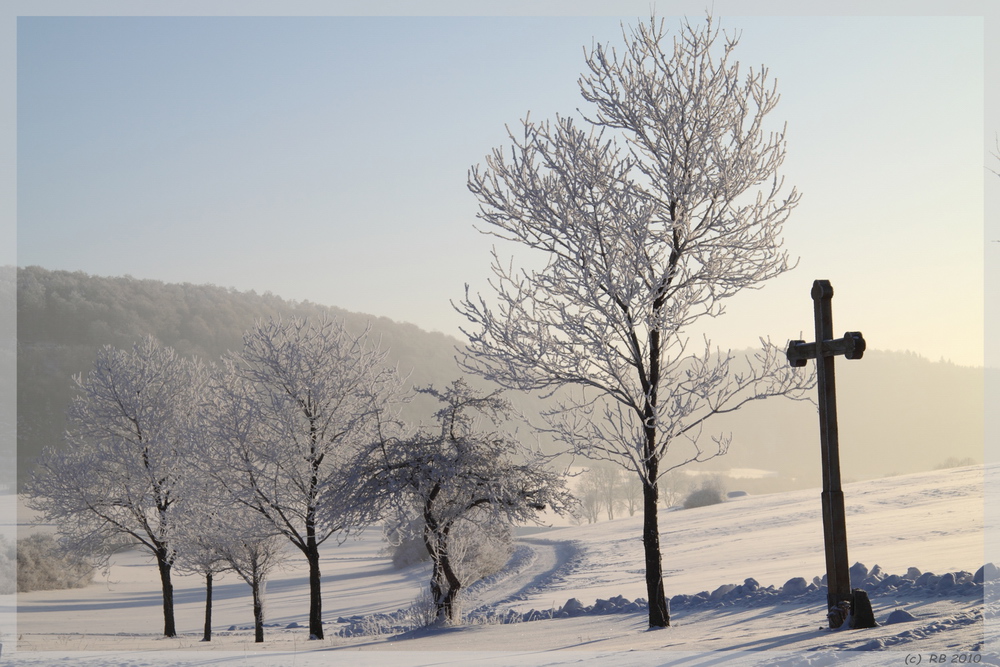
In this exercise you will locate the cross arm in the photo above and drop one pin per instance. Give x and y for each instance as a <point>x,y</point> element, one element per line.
<point>852,346</point>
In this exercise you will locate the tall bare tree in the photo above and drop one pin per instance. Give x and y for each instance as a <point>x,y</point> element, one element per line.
<point>663,203</point>
<point>290,411</point>
<point>116,482</point>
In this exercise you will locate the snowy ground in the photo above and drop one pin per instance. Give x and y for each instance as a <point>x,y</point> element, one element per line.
<point>932,521</point>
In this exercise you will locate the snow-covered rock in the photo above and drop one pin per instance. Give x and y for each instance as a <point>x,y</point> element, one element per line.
<point>795,586</point>
<point>899,616</point>
<point>988,572</point>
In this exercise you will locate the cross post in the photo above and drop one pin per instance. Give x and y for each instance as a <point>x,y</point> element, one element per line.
<point>852,346</point>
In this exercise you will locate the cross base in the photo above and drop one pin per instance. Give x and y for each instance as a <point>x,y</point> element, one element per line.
<point>855,613</point>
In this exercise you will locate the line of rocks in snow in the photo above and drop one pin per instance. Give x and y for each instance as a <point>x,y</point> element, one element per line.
<point>751,594</point>
<point>748,594</point>
<point>875,582</point>
<point>573,607</point>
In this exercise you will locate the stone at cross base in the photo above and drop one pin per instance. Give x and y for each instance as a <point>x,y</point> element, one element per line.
<point>855,613</point>
<point>862,615</point>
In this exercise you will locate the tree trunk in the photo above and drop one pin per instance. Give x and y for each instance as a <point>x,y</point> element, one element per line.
<point>312,548</point>
<point>439,595</point>
<point>315,592</point>
<point>659,608</point>
<point>169,629</point>
<point>437,591</point>
<point>450,601</point>
<point>207,636</point>
<point>435,545</point>
<point>258,612</point>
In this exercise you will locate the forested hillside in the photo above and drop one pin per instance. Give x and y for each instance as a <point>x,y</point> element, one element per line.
<point>63,318</point>
<point>899,412</point>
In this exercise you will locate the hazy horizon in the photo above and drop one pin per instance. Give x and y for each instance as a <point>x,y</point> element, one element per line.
<point>457,336</point>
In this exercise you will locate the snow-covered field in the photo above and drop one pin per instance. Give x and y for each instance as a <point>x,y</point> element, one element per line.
<point>933,522</point>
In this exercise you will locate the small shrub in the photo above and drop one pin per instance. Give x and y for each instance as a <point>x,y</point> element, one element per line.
<point>710,493</point>
<point>483,550</point>
<point>43,566</point>
<point>409,551</point>
<point>955,462</point>
<point>422,613</point>
<point>405,542</point>
<point>479,550</point>
<point>8,558</point>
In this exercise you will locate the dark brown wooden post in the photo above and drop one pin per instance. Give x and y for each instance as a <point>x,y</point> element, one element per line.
<point>852,346</point>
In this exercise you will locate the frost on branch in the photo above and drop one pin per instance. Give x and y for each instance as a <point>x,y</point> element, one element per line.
<point>646,214</point>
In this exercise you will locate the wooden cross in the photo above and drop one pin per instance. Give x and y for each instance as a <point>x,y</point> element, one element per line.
<point>852,346</point>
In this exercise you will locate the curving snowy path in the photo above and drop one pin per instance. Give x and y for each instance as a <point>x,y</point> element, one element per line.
<point>537,565</point>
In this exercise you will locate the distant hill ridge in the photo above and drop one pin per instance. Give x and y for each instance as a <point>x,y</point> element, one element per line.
<point>63,318</point>
<point>899,412</point>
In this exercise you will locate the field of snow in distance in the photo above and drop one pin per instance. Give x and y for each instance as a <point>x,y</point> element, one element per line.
<point>933,522</point>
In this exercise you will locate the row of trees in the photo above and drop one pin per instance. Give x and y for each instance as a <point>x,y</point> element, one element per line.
<point>294,439</point>
<point>615,492</point>
<point>608,489</point>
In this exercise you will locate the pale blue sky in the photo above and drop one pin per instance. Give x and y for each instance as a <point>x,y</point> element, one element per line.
<point>325,158</point>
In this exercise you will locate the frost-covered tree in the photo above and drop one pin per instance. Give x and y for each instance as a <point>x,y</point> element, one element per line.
<point>43,566</point>
<point>606,480</point>
<point>611,487</point>
<point>216,532</point>
<point>588,503</point>
<point>630,491</point>
<point>644,218</point>
<point>462,478</point>
<point>116,482</point>
<point>251,547</point>
<point>198,553</point>
<point>675,488</point>
<point>290,412</point>
<point>202,522</point>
